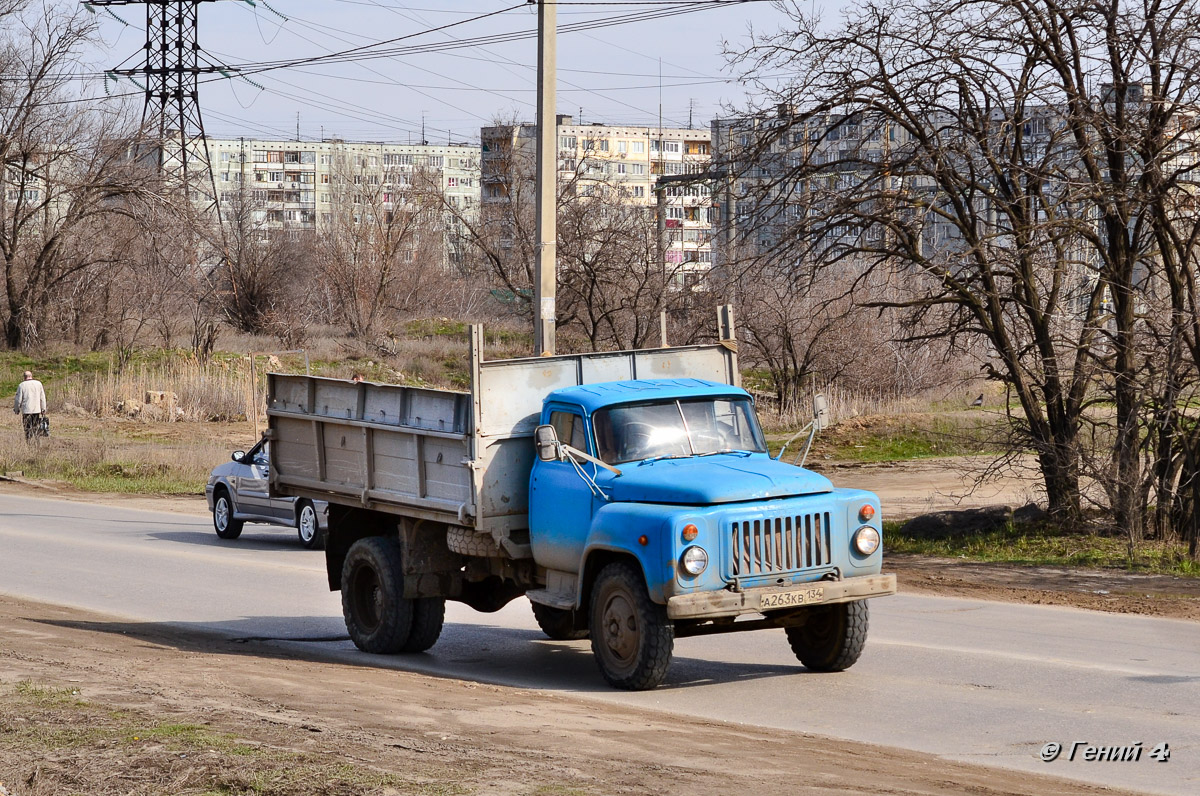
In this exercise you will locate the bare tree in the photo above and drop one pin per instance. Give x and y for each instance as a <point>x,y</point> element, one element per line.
<point>263,270</point>
<point>613,280</point>
<point>65,162</point>
<point>380,248</point>
<point>1015,165</point>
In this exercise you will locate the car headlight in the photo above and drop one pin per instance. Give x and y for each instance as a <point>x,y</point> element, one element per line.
<point>866,540</point>
<point>694,560</point>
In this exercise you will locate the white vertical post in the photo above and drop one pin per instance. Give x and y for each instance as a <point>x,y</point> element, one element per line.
<point>547,180</point>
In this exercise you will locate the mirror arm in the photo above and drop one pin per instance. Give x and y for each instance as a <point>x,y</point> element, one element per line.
<point>792,439</point>
<point>578,454</point>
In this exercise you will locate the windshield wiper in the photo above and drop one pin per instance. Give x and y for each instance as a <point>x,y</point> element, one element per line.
<point>724,450</point>
<point>665,456</point>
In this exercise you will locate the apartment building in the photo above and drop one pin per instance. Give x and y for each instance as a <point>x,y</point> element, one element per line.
<point>624,161</point>
<point>301,184</point>
<point>779,170</point>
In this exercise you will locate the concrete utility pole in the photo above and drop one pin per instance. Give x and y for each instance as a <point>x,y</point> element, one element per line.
<point>547,179</point>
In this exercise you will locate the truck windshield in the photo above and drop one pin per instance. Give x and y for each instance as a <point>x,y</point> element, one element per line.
<point>676,428</point>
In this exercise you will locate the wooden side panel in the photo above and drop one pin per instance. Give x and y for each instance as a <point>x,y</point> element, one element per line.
<point>396,463</point>
<point>343,455</point>
<point>292,451</point>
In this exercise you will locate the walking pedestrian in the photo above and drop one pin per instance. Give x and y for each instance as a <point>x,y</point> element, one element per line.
<point>30,404</point>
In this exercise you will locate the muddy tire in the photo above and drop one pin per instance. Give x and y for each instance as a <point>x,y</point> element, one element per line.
<point>833,637</point>
<point>378,617</point>
<point>428,614</point>
<point>632,638</point>
<point>557,623</point>
<point>223,522</point>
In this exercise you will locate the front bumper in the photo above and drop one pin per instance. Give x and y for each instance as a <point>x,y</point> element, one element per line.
<point>716,604</point>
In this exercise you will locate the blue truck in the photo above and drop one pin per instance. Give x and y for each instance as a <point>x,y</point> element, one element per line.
<point>629,496</point>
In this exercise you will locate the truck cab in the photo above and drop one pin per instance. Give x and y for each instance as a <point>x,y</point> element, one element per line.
<point>669,483</point>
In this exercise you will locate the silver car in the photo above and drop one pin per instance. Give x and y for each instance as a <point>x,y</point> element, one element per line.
<point>237,493</point>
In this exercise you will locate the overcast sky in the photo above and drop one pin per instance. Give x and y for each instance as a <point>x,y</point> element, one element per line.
<point>611,73</point>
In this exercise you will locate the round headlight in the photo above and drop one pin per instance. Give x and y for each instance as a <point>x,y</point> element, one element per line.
<point>694,560</point>
<point>866,540</point>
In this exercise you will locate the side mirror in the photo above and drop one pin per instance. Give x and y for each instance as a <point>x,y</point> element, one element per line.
<point>820,412</point>
<point>545,439</point>
<point>238,456</point>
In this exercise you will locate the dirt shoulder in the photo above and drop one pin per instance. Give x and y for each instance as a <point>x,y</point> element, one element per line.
<point>89,704</point>
<point>1114,591</point>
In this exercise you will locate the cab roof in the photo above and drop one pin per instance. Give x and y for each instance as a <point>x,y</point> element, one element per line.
<point>597,396</point>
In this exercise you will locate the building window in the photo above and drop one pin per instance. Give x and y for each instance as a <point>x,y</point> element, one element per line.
<point>566,142</point>
<point>639,147</point>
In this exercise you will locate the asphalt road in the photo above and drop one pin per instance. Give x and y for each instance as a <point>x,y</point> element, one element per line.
<point>967,680</point>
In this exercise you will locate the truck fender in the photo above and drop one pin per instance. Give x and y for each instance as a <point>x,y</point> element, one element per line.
<point>596,559</point>
<point>620,529</point>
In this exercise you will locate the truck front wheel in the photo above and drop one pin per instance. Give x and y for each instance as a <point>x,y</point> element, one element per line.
<point>378,617</point>
<point>832,638</point>
<point>631,635</point>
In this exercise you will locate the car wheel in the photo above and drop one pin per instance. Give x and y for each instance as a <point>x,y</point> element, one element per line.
<point>378,617</point>
<point>308,526</point>
<point>832,638</point>
<point>632,638</point>
<point>223,521</point>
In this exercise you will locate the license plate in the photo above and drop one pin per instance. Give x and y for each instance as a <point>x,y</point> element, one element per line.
<point>787,599</point>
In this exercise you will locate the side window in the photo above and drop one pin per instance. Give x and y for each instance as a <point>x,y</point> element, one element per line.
<point>570,429</point>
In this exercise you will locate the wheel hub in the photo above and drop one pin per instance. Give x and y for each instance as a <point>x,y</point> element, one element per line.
<point>620,626</point>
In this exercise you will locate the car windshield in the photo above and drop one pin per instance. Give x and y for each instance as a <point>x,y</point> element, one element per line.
<point>677,428</point>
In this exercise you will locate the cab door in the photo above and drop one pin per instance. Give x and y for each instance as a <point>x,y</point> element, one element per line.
<point>561,503</point>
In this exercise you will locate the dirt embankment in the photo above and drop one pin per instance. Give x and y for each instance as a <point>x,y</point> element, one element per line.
<point>92,705</point>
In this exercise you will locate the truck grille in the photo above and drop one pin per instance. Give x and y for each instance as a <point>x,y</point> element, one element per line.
<point>780,544</point>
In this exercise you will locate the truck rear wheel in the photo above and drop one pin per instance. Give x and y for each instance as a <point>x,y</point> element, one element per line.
<point>832,638</point>
<point>428,614</point>
<point>632,638</point>
<point>378,617</point>
<point>557,623</point>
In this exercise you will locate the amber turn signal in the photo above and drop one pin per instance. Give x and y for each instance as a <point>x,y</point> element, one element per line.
<point>643,540</point>
<point>866,513</point>
<point>690,532</point>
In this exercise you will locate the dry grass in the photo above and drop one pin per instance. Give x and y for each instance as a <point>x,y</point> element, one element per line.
<point>219,390</point>
<point>113,455</point>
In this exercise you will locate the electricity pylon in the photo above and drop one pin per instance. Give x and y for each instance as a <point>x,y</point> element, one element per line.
<point>170,74</point>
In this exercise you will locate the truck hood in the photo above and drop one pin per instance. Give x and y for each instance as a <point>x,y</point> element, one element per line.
<point>723,478</point>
